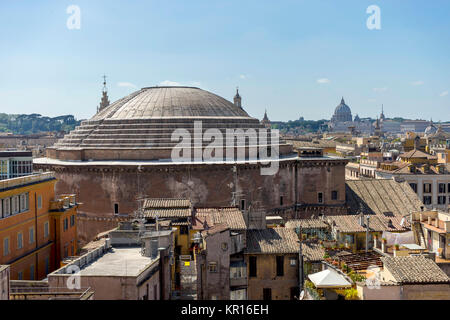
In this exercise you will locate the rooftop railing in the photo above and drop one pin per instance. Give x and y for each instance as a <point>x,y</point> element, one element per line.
<point>20,181</point>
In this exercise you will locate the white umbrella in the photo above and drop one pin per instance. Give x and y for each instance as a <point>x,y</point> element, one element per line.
<point>329,279</point>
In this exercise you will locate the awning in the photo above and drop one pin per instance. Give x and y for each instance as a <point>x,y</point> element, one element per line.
<point>329,279</point>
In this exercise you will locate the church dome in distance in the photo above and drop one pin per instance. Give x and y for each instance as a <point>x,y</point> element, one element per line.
<point>342,113</point>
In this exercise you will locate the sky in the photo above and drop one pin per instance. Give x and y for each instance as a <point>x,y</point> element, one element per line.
<point>293,58</point>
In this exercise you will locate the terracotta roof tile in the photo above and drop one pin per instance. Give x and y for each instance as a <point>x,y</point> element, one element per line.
<point>414,270</point>
<point>312,251</point>
<point>158,203</point>
<point>306,224</point>
<point>272,241</point>
<point>350,223</point>
<point>378,196</point>
<point>231,216</point>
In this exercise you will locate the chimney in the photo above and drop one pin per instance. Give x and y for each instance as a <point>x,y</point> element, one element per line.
<point>154,247</point>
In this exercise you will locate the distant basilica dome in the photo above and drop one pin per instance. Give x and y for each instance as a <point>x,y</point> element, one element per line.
<point>342,113</point>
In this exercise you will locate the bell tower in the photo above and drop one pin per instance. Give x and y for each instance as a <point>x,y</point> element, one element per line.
<point>105,100</point>
<point>237,99</point>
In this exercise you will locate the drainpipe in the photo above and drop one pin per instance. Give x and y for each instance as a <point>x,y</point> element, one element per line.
<point>300,263</point>
<point>35,237</point>
<point>367,233</point>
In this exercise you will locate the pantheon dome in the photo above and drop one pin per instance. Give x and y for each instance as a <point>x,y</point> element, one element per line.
<point>342,113</point>
<point>123,153</point>
<point>140,125</point>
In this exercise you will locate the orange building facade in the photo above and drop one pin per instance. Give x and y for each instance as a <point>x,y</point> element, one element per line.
<point>29,243</point>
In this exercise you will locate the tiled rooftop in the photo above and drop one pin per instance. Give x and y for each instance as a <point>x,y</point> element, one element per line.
<point>306,224</point>
<point>378,196</point>
<point>414,270</point>
<point>350,223</point>
<point>158,203</point>
<point>272,241</point>
<point>231,216</point>
<point>312,251</point>
<point>167,208</point>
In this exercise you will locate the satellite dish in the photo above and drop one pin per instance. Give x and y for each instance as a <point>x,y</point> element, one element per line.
<point>302,295</point>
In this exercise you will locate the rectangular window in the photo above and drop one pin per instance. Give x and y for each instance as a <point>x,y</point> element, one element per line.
<point>441,187</point>
<point>212,267</point>
<point>252,266</point>
<point>15,205</point>
<point>414,187</point>
<point>6,207</point>
<point>267,294</point>
<point>320,197</point>
<point>243,204</point>
<point>442,199</point>
<point>1,208</point>
<point>6,246</point>
<point>65,224</point>
<point>47,265</point>
<point>116,208</point>
<point>281,200</point>
<point>292,262</point>
<point>295,293</point>
<point>184,230</point>
<point>24,202</point>
<point>426,200</point>
<point>334,195</point>
<point>31,238</point>
<point>32,272</point>
<point>46,227</point>
<point>20,240</point>
<point>427,188</point>
<point>39,202</point>
<point>72,220</point>
<point>280,266</point>
<point>20,275</point>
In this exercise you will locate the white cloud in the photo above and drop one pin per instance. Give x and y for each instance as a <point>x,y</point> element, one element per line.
<point>126,84</point>
<point>443,94</point>
<point>243,76</point>
<point>371,100</point>
<point>323,80</point>
<point>169,83</point>
<point>380,89</point>
<point>417,83</point>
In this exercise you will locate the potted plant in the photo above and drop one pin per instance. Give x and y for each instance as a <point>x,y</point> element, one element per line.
<point>396,246</point>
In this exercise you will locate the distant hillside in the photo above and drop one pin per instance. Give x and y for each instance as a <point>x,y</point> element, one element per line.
<point>35,123</point>
<point>298,126</point>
